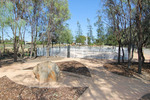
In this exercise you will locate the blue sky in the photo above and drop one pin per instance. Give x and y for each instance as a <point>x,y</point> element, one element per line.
<point>81,10</point>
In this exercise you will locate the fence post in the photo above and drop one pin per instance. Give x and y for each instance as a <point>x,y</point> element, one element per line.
<point>68,51</point>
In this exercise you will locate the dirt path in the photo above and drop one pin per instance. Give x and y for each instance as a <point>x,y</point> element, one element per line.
<point>109,86</point>
<point>102,86</point>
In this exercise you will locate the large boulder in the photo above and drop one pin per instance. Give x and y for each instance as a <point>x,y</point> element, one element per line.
<point>46,71</point>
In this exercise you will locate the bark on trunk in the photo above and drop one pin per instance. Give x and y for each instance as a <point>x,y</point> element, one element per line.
<point>22,53</point>
<point>3,40</point>
<point>0,58</point>
<point>139,27</point>
<point>129,45</point>
<point>143,58</point>
<point>15,50</point>
<point>35,51</point>
<point>35,39</point>
<point>139,58</point>
<point>132,52</point>
<point>47,51</point>
<point>52,44</point>
<point>48,45</point>
<point>43,47</point>
<point>15,46</point>
<point>59,47</point>
<point>122,54</point>
<point>129,55</point>
<point>31,50</point>
<point>119,42</point>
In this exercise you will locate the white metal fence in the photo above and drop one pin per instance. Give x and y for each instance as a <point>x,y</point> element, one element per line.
<point>84,52</point>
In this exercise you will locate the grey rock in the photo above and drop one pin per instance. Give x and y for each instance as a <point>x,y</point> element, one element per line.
<point>46,71</point>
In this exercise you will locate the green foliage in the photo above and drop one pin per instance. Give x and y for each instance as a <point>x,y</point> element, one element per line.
<point>79,30</point>
<point>89,40</point>
<point>38,42</point>
<point>65,35</point>
<point>99,26</point>
<point>81,39</point>
<point>100,41</point>
<point>21,23</point>
<point>90,32</point>
<point>111,40</point>
<point>100,34</point>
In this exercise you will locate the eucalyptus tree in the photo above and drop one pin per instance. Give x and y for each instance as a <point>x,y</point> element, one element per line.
<point>130,42</point>
<point>34,10</point>
<point>57,14</point>
<point>12,18</point>
<point>142,17</point>
<point>15,10</point>
<point>90,32</point>
<point>65,35</point>
<point>100,29</point>
<point>145,25</point>
<point>114,14</point>
<point>78,32</point>
<point>22,31</point>
<point>2,22</point>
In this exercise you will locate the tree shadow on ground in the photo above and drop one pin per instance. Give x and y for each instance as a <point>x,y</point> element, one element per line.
<point>145,97</point>
<point>108,86</point>
<point>12,90</point>
<point>9,61</point>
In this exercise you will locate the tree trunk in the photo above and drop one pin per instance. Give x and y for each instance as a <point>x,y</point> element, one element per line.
<point>139,58</point>
<point>52,44</point>
<point>143,58</point>
<point>15,45</point>
<point>35,50</point>
<point>0,58</point>
<point>119,42</point>
<point>47,51</point>
<point>122,54</point>
<point>22,48</point>
<point>22,54</point>
<point>31,50</point>
<point>3,40</point>
<point>129,45</point>
<point>48,45</point>
<point>43,47</point>
<point>132,52</point>
<point>139,27</point>
<point>129,55</point>
<point>48,38</point>
<point>15,49</point>
<point>35,39</point>
<point>59,47</point>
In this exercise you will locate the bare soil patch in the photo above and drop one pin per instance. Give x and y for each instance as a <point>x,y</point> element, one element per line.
<point>74,67</point>
<point>122,69</point>
<point>13,91</point>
